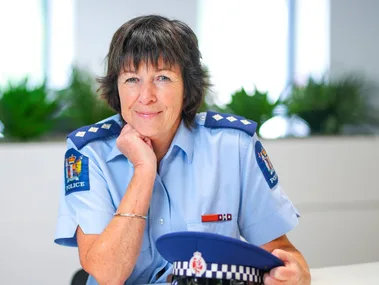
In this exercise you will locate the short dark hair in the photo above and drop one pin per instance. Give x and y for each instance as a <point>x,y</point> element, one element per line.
<point>147,39</point>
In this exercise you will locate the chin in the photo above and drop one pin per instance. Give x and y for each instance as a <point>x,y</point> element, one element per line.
<point>148,131</point>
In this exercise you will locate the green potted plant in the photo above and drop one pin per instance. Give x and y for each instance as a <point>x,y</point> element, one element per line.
<point>255,106</point>
<point>329,105</point>
<point>26,112</point>
<point>81,105</point>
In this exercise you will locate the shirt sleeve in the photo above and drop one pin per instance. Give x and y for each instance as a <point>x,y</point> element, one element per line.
<point>266,213</point>
<point>85,200</point>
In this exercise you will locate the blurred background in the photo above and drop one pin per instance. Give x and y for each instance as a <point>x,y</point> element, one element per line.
<point>306,70</point>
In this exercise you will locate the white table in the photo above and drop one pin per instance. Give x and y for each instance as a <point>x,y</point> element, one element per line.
<point>365,274</point>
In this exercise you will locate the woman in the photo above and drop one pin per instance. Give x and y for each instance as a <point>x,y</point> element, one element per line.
<point>157,167</point>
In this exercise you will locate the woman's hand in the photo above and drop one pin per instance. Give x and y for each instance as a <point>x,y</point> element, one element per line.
<point>137,148</point>
<point>289,274</point>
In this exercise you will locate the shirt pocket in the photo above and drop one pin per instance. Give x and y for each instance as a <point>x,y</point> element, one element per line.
<point>225,228</point>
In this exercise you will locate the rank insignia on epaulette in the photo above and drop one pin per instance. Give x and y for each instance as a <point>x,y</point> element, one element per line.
<point>218,120</point>
<point>87,134</point>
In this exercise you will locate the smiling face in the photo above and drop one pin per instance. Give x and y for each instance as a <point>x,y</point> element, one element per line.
<point>151,99</point>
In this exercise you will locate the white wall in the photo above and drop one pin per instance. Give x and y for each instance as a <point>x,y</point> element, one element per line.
<point>330,180</point>
<point>354,37</point>
<point>30,176</point>
<point>97,20</point>
<point>332,183</point>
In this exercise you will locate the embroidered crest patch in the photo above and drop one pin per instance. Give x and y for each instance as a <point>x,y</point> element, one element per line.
<point>76,172</point>
<point>197,264</point>
<point>265,165</point>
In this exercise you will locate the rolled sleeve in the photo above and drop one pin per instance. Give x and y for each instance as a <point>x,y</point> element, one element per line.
<point>67,225</point>
<point>65,231</point>
<point>91,208</point>
<point>266,213</point>
<point>273,226</point>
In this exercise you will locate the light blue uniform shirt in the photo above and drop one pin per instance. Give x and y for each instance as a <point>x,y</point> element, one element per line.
<point>218,167</point>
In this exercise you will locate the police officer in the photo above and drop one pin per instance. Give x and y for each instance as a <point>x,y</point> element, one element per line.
<point>158,167</point>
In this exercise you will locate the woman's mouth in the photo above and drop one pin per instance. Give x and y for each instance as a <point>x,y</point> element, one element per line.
<point>147,115</point>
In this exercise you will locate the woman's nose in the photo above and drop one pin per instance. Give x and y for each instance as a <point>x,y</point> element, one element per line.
<point>147,94</point>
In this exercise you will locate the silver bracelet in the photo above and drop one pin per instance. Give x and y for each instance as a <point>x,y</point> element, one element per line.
<point>130,215</point>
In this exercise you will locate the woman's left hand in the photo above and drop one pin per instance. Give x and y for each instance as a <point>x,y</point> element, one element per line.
<point>290,273</point>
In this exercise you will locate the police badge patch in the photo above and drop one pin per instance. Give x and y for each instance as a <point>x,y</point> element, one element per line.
<point>76,172</point>
<point>265,165</point>
<point>197,264</point>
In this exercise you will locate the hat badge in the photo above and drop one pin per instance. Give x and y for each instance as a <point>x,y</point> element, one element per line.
<point>197,264</point>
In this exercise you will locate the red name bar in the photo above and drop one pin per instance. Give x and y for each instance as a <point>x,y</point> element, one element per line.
<point>216,217</point>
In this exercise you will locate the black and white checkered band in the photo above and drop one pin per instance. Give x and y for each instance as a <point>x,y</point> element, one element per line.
<point>220,271</point>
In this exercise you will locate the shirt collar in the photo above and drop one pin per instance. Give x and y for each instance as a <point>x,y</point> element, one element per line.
<point>183,139</point>
<point>114,152</point>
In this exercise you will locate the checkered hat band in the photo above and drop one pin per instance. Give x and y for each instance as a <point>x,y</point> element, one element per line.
<point>219,271</point>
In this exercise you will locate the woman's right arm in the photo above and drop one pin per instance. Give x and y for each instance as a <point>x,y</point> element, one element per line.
<point>110,257</point>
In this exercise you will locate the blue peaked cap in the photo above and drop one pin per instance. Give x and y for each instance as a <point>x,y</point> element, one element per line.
<point>224,256</point>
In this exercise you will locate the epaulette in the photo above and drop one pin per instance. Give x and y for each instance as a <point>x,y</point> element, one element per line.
<point>219,120</point>
<point>87,134</point>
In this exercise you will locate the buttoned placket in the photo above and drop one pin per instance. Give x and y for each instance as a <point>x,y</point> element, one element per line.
<point>159,216</point>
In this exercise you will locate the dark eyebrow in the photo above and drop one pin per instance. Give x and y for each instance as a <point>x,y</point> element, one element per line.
<point>164,69</point>
<point>129,70</point>
<point>158,69</point>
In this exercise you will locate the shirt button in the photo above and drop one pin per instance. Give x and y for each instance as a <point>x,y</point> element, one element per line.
<point>161,221</point>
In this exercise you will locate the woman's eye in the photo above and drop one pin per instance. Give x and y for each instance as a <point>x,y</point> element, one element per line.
<point>131,80</point>
<point>163,78</point>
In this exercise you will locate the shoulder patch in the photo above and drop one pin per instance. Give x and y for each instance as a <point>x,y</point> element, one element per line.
<point>265,165</point>
<point>76,170</point>
<point>87,134</point>
<point>216,120</point>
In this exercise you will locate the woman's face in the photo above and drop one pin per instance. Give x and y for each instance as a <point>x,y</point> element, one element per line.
<point>152,99</point>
